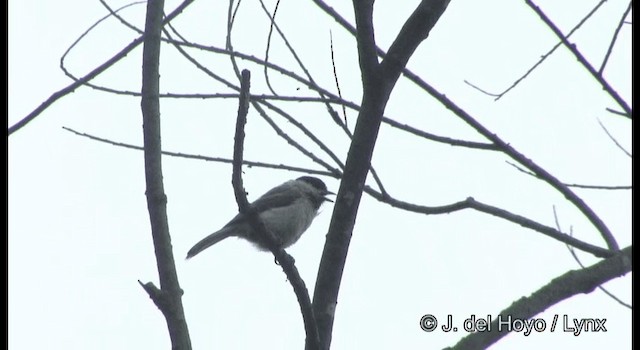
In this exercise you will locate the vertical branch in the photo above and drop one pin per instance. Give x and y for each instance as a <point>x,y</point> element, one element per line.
<point>238,147</point>
<point>336,247</point>
<point>169,297</point>
<point>284,259</point>
<point>378,80</point>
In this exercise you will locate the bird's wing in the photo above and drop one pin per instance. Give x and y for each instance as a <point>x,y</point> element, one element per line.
<point>275,198</point>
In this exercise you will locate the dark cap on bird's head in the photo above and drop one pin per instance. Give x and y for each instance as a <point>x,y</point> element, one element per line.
<point>317,184</point>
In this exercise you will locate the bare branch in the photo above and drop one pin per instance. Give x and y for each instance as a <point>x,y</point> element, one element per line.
<point>542,58</point>
<point>156,294</point>
<point>577,259</point>
<point>441,139</point>
<point>413,32</point>
<point>376,91</point>
<point>498,142</point>
<point>285,260</point>
<point>86,78</point>
<point>310,83</point>
<point>506,148</point>
<point>471,203</point>
<point>572,47</point>
<point>365,40</point>
<point>273,125</point>
<point>613,111</point>
<point>591,187</point>
<point>113,13</point>
<point>383,196</point>
<point>266,54</point>
<point>614,139</point>
<point>563,287</point>
<point>173,310</point>
<point>497,96</point>
<point>238,146</point>
<point>335,76</point>
<point>206,158</point>
<point>614,39</point>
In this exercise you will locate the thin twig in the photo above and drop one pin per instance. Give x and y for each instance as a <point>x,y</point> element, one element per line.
<point>86,78</point>
<point>505,147</point>
<point>335,76</point>
<point>614,39</point>
<point>278,130</point>
<point>613,111</point>
<point>497,96</point>
<point>266,54</point>
<point>115,14</point>
<point>542,58</point>
<point>441,139</point>
<point>374,173</point>
<point>383,197</point>
<point>585,63</point>
<point>205,158</point>
<point>614,139</point>
<point>590,187</point>
<point>577,259</point>
<point>309,83</point>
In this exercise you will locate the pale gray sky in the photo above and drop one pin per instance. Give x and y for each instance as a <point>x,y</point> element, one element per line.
<point>79,235</point>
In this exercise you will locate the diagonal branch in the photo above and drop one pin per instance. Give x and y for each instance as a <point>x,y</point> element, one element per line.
<point>574,50</point>
<point>384,197</point>
<point>86,78</point>
<point>471,203</point>
<point>577,259</point>
<point>205,158</point>
<point>542,58</point>
<point>502,145</point>
<point>613,139</point>
<point>325,98</point>
<point>614,39</point>
<point>522,159</point>
<point>563,287</point>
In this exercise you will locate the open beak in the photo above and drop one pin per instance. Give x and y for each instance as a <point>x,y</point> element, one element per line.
<point>328,199</point>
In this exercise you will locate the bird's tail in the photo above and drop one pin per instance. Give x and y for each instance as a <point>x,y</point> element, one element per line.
<point>209,241</point>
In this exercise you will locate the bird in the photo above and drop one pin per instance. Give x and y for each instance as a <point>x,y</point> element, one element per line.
<point>286,210</point>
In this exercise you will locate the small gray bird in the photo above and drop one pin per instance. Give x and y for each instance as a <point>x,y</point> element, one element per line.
<point>286,211</point>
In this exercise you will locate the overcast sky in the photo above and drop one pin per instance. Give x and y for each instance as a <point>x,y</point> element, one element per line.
<point>79,236</point>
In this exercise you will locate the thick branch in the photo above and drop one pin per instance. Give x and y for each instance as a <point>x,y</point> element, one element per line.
<point>413,32</point>
<point>497,141</point>
<point>171,293</point>
<point>563,287</point>
<point>366,41</point>
<point>376,91</point>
